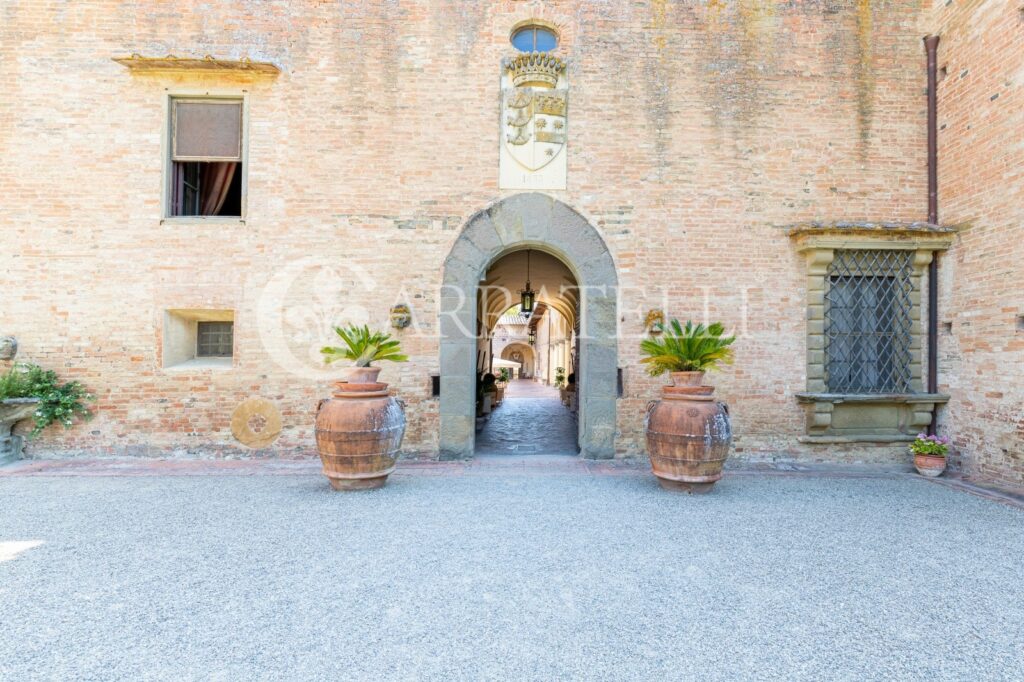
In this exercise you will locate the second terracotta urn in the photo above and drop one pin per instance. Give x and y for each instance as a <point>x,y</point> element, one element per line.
<point>688,434</point>
<point>359,431</point>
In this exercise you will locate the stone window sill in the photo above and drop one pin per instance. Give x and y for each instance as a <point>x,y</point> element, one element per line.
<point>203,220</point>
<point>859,438</point>
<point>872,397</point>
<point>835,418</point>
<point>199,364</point>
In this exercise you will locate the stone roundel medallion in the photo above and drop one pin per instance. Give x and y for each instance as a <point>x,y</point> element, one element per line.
<point>256,423</point>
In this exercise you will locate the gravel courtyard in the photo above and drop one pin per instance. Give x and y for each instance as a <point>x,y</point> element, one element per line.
<point>506,573</point>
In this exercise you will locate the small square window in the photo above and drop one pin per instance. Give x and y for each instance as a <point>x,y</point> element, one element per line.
<point>214,339</point>
<point>206,157</point>
<point>198,338</point>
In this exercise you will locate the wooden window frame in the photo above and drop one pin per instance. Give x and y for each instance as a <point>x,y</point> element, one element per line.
<point>193,94</point>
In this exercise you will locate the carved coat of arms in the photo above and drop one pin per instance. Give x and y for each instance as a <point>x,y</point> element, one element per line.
<point>534,115</point>
<point>535,125</point>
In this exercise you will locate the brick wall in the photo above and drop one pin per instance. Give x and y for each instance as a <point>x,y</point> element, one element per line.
<point>981,187</point>
<point>699,131</point>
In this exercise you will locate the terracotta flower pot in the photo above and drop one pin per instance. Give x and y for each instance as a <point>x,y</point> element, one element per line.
<point>688,435</point>
<point>362,375</point>
<point>930,465</point>
<point>358,434</point>
<point>687,378</point>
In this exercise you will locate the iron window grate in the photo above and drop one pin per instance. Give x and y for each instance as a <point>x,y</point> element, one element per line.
<point>868,324</point>
<point>215,339</point>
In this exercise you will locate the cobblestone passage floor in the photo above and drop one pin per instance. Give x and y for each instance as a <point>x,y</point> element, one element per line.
<point>530,420</point>
<point>546,568</point>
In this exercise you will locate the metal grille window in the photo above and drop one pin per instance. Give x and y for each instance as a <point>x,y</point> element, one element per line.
<point>868,325</point>
<point>215,339</point>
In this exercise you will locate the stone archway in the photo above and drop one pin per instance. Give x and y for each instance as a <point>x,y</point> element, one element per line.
<point>534,221</point>
<point>526,356</point>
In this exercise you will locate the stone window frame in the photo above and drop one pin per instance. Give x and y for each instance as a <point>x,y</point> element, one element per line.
<point>179,349</point>
<point>191,93</point>
<point>904,414</point>
<point>535,23</point>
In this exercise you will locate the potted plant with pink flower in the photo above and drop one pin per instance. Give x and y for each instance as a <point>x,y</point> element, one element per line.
<point>930,454</point>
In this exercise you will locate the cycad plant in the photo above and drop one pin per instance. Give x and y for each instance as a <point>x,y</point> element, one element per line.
<point>693,348</point>
<point>363,347</point>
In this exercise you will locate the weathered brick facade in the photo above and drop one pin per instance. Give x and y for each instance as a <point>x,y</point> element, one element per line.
<point>700,133</point>
<point>981,181</point>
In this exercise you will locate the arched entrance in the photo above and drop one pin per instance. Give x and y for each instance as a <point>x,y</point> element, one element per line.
<point>529,221</point>
<point>523,354</point>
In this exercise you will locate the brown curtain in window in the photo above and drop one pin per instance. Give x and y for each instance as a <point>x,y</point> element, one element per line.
<point>178,189</point>
<point>215,185</point>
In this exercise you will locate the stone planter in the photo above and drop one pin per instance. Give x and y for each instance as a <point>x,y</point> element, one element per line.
<point>358,434</point>
<point>688,435</point>
<point>930,465</point>
<point>13,411</point>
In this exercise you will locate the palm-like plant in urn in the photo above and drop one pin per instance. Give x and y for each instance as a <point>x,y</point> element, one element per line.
<point>360,429</point>
<point>688,431</point>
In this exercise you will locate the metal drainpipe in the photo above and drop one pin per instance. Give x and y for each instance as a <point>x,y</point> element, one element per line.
<point>931,45</point>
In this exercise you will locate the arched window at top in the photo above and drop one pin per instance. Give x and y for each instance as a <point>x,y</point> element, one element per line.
<point>534,38</point>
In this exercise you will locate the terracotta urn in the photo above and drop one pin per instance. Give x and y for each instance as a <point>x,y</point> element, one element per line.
<point>359,432</point>
<point>930,465</point>
<point>688,434</point>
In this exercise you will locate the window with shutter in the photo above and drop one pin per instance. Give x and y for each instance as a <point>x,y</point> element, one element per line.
<point>206,157</point>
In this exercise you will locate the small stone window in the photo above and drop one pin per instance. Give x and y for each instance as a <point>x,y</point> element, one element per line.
<point>198,338</point>
<point>534,37</point>
<point>206,170</point>
<point>868,323</point>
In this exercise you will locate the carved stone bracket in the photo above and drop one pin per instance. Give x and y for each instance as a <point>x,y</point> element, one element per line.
<point>876,418</point>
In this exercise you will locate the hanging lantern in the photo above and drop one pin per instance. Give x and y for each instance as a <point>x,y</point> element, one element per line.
<point>527,296</point>
<point>532,336</point>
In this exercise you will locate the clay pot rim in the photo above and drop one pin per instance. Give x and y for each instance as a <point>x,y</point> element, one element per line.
<point>703,389</point>
<point>350,387</point>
